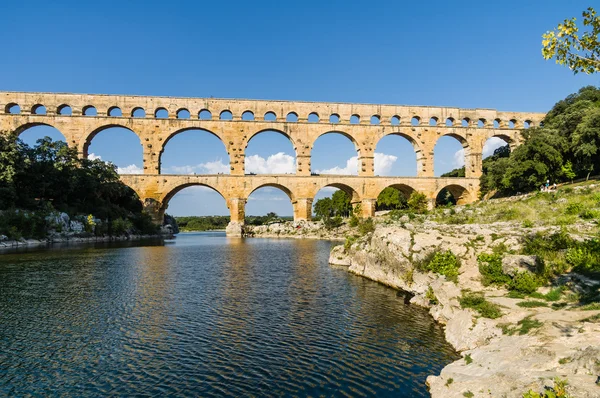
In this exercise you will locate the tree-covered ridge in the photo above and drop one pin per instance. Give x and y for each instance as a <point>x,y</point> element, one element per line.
<point>50,177</point>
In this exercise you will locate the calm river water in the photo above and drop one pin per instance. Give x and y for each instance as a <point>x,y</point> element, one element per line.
<point>204,315</point>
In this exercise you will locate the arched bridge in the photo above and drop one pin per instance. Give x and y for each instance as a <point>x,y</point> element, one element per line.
<point>155,120</point>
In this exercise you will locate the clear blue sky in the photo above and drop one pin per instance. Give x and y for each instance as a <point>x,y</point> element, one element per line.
<point>470,54</point>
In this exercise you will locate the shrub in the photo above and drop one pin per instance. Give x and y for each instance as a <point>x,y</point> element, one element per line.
<point>430,295</point>
<point>332,222</point>
<point>417,202</point>
<point>443,263</point>
<point>527,224</point>
<point>120,226</point>
<point>573,208</point>
<point>348,243</point>
<point>490,268</point>
<point>524,282</point>
<point>524,326</point>
<point>366,226</point>
<point>589,214</point>
<point>585,257</point>
<point>353,220</point>
<point>468,359</point>
<point>477,302</point>
<point>532,304</point>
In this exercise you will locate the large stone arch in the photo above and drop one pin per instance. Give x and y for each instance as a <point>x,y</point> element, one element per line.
<point>405,189</point>
<point>420,153</point>
<point>289,192</point>
<point>352,192</point>
<point>286,134</point>
<point>172,134</point>
<point>171,191</point>
<point>461,194</point>
<point>346,134</point>
<point>86,139</point>
<point>26,126</point>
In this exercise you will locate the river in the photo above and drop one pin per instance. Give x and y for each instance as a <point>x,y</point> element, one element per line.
<point>206,315</point>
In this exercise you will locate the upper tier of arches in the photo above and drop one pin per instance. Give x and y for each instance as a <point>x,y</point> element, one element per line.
<point>262,111</point>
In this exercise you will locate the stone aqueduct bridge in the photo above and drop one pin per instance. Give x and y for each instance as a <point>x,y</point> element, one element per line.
<point>155,120</point>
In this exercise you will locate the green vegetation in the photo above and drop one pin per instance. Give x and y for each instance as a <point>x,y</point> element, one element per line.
<point>566,147</point>
<point>337,205</point>
<point>558,391</point>
<point>579,52</point>
<point>366,226</point>
<point>477,302</point>
<point>391,199</point>
<point>37,182</point>
<point>532,304</point>
<point>430,295</point>
<point>197,223</point>
<point>443,263</point>
<point>468,394</point>
<point>468,359</point>
<point>490,267</point>
<point>449,381</point>
<point>524,326</point>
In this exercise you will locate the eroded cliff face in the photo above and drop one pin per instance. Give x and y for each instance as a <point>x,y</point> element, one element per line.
<point>563,343</point>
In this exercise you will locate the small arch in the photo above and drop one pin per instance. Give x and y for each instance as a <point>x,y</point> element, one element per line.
<point>89,110</point>
<point>375,119</point>
<point>459,195</point>
<point>291,117</point>
<point>433,121</point>
<point>496,123</point>
<point>498,145</point>
<point>38,109</point>
<point>395,120</point>
<point>354,119</point>
<point>415,120</point>
<point>248,116</point>
<point>394,197</point>
<point>334,118</point>
<point>542,123</point>
<point>205,114</point>
<point>512,123</point>
<point>449,122</point>
<point>12,109</point>
<point>161,113</point>
<point>481,123</point>
<point>64,110</point>
<point>115,111</point>
<point>527,124</point>
<point>313,117</point>
<point>226,115</point>
<point>138,112</point>
<point>270,117</point>
<point>183,113</point>
<point>465,122</point>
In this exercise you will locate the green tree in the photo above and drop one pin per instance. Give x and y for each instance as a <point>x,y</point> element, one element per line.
<point>417,202</point>
<point>324,208</point>
<point>391,199</point>
<point>340,202</point>
<point>567,170</point>
<point>579,52</point>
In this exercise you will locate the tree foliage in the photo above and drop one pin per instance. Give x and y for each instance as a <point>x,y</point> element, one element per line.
<point>566,147</point>
<point>49,176</point>
<point>391,199</point>
<point>338,205</point>
<point>578,51</point>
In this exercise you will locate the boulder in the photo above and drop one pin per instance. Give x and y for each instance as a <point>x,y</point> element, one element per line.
<point>515,263</point>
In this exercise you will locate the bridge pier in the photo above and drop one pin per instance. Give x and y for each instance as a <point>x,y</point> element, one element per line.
<point>303,209</point>
<point>367,207</point>
<point>237,214</point>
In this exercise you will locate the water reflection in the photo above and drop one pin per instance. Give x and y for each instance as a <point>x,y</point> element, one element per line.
<point>205,315</point>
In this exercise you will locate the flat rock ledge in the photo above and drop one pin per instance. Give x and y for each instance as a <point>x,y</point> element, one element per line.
<point>567,345</point>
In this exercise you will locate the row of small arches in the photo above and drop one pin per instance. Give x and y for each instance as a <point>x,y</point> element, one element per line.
<point>205,114</point>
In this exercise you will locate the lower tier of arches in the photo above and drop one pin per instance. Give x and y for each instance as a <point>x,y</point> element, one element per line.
<point>156,191</point>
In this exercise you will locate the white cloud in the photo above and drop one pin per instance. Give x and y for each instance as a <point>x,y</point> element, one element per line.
<point>215,167</point>
<point>459,159</point>
<point>131,169</point>
<point>280,163</point>
<point>491,145</point>
<point>383,165</point>
<point>93,156</point>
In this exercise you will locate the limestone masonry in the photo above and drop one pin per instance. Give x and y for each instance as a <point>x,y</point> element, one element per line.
<point>155,120</point>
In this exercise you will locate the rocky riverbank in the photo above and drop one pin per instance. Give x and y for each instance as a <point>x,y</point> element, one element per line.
<point>297,230</point>
<point>525,347</point>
